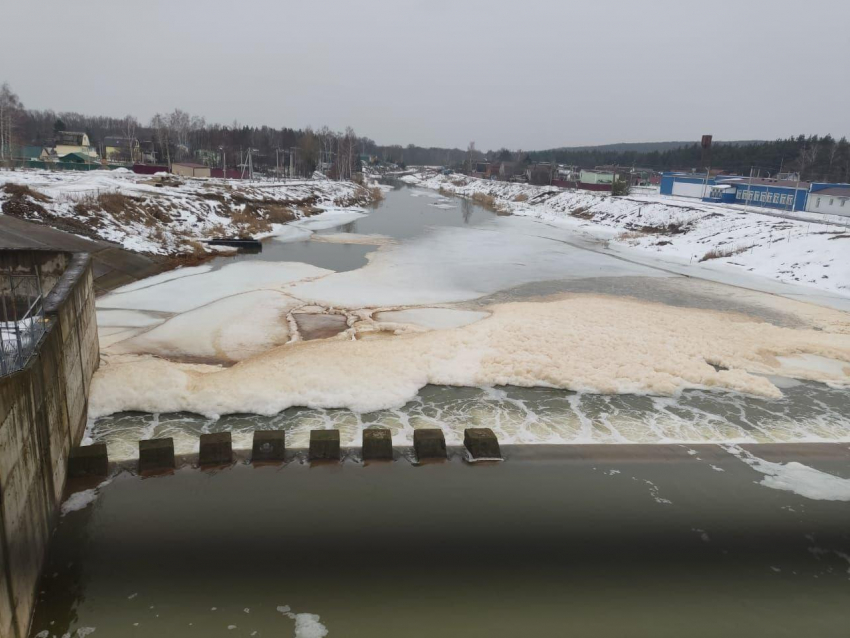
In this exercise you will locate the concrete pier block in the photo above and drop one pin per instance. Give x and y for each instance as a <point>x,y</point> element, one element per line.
<point>324,445</point>
<point>88,460</point>
<point>269,445</point>
<point>377,444</point>
<point>216,449</point>
<point>481,443</point>
<point>429,444</point>
<point>156,455</point>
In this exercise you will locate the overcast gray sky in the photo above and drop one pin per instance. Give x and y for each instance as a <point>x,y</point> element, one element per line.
<point>522,74</point>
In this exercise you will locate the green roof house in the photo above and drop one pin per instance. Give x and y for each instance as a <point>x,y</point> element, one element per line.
<point>76,158</point>
<point>34,153</point>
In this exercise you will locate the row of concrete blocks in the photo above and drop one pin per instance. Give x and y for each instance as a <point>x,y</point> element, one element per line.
<point>270,446</point>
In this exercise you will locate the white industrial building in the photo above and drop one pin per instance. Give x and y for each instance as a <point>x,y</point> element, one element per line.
<point>829,199</point>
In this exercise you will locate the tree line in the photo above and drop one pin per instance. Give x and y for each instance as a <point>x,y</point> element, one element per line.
<point>181,136</point>
<point>816,158</point>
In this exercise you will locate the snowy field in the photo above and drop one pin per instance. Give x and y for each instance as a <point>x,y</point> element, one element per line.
<point>172,217</point>
<point>726,239</point>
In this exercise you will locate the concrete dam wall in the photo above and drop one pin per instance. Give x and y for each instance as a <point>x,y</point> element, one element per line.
<point>43,408</point>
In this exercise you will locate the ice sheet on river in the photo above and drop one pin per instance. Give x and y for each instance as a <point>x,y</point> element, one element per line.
<point>230,329</point>
<point>459,264</point>
<point>200,286</point>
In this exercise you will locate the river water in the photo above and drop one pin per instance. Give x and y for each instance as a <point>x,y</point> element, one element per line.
<point>566,263</point>
<point>610,541</point>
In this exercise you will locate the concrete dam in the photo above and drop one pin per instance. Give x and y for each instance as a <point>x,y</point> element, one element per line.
<point>48,298</point>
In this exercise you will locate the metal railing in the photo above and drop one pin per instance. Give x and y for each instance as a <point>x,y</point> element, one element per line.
<point>22,321</point>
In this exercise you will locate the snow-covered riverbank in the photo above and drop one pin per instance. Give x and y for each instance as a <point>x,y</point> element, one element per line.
<point>170,216</point>
<point>724,238</point>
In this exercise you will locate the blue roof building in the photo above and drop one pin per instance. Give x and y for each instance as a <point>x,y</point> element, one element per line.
<point>735,189</point>
<point>768,193</point>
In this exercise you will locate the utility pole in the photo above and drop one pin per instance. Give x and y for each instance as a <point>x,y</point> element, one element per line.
<point>223,162</point>
<point>749,187</point>
<point>796,190</point>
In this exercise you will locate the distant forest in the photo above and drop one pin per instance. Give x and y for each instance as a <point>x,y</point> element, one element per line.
<point>181,136</point>
<point>817,158</point>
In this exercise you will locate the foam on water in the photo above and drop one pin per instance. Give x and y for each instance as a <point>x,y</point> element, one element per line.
<point>306,625</point>
<point>796,477</point>
<point>585,343</point>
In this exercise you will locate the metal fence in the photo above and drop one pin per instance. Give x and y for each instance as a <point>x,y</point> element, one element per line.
<point>22,321</point>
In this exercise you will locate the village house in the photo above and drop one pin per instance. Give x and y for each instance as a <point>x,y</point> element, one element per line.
<point>66,142</point>
<point>540,174</point>
<point>37,153</point>
<point>595,177</point>
<point>121,149</point>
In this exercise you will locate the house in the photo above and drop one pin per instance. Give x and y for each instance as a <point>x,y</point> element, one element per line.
<point>829,199</point>
<point>147,152</point>
<point>189,169</point>
<point>632,175</point>
<point>121,149</point>
<point>540,174</point>
<point>67,142</point>
<point>596,177</point>
<point>78,158</point>
<point>37,153</point>
<point>504,170</point>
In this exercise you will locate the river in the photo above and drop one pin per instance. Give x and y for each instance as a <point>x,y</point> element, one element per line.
<point>585,532</point>
<point>497,260</point>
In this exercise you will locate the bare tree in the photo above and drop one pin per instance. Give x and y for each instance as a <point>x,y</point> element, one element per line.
<point>808,157</point>
<point>159,124</point>
<point>130,126</point>
<point>470,157</point>
<point>10,108</point>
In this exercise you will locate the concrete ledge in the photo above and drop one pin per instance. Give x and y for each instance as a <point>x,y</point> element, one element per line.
<point>216,449</point>
<point>429,444</point>
<point>156,455</point>
<point>269,445</point>
<point>88,460</point>
<point>481,443</point>
<point>73,272</point>
<point>324,445</point>
<point>377,444</point>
